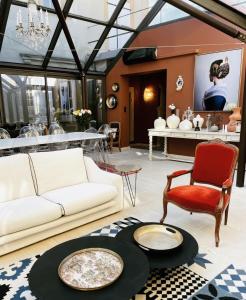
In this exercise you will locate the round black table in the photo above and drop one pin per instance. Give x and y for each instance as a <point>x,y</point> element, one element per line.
<point>46,285</point>
<point>170,259</point>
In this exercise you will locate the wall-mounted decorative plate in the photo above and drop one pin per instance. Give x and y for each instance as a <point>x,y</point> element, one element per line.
<point>115,87</point>
<point>111,101</point>
<point>179,83</point>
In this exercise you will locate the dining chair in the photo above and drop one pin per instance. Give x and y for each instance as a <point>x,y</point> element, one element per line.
<point>91,147</point>
<point>55,129</point>
<point>115,135</point>
<point>105,143</point>
<point>29,132</point>
<point>213,170</point>
<point>4,134</point>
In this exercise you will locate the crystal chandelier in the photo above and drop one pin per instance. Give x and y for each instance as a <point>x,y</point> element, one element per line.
<point>37,28</point>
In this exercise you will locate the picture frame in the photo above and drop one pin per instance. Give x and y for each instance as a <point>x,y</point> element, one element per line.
<point>111,101</point>
<point>217,80</point>
<point>115,87</point>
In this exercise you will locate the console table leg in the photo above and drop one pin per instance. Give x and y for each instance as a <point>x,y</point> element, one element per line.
<point>165,146</point>
<point>150,147</point>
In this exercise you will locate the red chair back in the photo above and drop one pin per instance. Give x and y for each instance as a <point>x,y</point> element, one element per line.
<point>214,162</point>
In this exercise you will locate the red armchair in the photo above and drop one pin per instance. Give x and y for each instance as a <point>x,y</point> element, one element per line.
<point>214,165</point>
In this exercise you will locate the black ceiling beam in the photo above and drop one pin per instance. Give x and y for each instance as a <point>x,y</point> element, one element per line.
<point>104,34</point>
<point>4,14</point>
<point>231,7</point>
<point>143,25</point>
<point>15,67</point>
<point>56,35</point>
<point>62,20</point>
<point>206,18</point>
<point>222,11</point>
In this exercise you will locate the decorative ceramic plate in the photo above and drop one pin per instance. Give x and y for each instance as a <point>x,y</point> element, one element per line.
<point>111,101</point>
<point>90,269</point>
<point>157,237</point>
<point>115,87</point>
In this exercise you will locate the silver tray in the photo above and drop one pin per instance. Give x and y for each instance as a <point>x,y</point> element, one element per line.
<point>90,269</point>
<point>157,237</point>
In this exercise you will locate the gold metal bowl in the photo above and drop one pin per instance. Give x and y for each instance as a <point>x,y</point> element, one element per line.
<point>91,269</point>
<point>157,237</point>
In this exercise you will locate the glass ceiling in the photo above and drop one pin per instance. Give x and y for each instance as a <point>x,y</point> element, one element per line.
<point>87,22</point>
<point>237,4</point>
<point>96,9</point>
<point>47,3</point>
<point>168,13</point>
<point>19,51</point>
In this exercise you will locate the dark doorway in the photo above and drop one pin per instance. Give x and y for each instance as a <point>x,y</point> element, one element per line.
<point>147,102</point>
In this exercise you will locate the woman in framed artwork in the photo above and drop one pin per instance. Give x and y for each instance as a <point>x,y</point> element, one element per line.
<point>215,97</point>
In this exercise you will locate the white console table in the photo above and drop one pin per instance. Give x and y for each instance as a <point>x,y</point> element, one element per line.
<point>191,134</point>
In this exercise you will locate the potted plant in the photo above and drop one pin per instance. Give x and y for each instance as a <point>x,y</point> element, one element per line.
<point>83,117</point>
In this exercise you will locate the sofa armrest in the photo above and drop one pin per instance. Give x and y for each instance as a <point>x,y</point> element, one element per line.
<point>95,174</point>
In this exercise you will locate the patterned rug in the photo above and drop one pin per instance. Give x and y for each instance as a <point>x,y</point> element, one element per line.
<point>185,282</point>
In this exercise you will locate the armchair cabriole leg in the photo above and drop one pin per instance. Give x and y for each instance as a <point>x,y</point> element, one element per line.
<point>226,214</point>
<point>218,218</point>
<point>164,211</point>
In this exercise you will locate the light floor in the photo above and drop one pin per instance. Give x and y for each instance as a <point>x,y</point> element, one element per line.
<point>150,184</point>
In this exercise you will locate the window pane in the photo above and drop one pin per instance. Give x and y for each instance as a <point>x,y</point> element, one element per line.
<point>19,50</point>
<point>237,4</point>
<point>115,41</point>
<point>134,12</point>
<point>95,100</point>
<point>62,56</point>
<point>65,96</point>
<point>47,3</point>
<point>84,42</point>
<point>24,99</point>
<point>168,13</point>
<point>96,9</point>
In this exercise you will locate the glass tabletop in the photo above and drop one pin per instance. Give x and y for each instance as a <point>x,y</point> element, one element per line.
<point>128,168</point>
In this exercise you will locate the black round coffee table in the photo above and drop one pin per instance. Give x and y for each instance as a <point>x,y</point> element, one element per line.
<point>45,283</point>
<point>170,259</point>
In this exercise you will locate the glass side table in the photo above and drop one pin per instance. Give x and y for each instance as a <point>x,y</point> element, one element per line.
<point>126,170</point>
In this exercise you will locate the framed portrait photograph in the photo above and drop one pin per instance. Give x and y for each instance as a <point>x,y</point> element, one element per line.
<point>217,80</point>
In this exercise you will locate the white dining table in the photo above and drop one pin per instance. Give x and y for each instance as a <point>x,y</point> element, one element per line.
<point>49,139</point>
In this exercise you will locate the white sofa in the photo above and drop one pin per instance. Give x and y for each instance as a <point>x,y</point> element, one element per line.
<point>46,193</point>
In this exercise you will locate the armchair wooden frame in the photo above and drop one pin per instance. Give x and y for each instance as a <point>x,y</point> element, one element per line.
<point>221,207</point>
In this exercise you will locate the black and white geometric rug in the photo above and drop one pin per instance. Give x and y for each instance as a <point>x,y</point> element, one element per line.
<point>177,283</point>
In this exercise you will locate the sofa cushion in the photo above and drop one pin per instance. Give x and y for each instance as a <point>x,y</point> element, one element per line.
<point>25,213</point>
<point>15,177</point>
<point>58,169</point>
<point>80,197</point>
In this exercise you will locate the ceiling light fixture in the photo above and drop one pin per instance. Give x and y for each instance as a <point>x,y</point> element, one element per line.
<point>38,25</point>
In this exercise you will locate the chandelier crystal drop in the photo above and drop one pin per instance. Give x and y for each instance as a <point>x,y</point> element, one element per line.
<point>38,28</point>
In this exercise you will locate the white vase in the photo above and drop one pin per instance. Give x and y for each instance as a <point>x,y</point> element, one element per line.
<point>185,125</point>
<point>159,123</point>
<point>173,121</point>
<point>198,120</point>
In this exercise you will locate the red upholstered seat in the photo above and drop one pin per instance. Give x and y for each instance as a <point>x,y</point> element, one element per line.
<point>196,197</point>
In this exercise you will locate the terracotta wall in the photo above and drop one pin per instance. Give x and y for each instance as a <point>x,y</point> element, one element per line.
<point>177,61</point>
